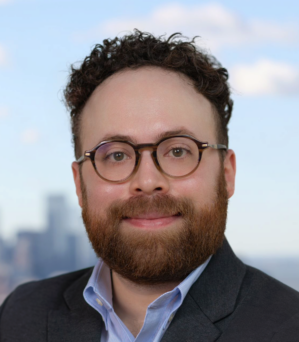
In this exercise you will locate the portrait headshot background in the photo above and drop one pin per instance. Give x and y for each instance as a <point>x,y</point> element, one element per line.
<point>257,42</point>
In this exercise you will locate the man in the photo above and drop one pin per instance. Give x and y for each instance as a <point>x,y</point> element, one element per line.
<point>153,175</point>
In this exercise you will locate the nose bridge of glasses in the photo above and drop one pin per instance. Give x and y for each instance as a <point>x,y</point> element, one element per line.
<point>152,148</point>
<point>143,147</point>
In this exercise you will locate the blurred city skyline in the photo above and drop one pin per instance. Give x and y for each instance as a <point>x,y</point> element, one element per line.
<point>61,245</point>
<point>257,41</point>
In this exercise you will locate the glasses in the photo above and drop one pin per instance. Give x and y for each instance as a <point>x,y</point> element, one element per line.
<point>176,156</point>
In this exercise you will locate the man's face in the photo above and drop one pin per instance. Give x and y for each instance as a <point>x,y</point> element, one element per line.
<point>143,105</point>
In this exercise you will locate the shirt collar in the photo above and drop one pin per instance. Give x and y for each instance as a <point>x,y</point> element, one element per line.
<point>100,284</point>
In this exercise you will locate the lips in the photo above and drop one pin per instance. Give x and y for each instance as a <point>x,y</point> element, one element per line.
<point>151,216</point>
<point>152,220</point>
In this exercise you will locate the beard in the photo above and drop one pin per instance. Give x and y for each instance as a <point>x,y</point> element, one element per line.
<point>164,255</point>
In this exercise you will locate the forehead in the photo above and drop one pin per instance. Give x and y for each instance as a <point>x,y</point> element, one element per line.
<point>143,104</point>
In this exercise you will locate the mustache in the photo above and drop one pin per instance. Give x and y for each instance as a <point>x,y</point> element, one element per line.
<point>161,204</point>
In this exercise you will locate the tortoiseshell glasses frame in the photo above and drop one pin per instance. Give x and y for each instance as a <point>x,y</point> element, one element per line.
<point>90,154</point>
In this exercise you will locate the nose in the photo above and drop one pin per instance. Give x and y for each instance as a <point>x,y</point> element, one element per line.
<point>148,179</point>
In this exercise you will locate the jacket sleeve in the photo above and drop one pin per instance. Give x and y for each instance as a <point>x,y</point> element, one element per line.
<point>2,310</point>
<point>2,307</point>
<point>288,331</point>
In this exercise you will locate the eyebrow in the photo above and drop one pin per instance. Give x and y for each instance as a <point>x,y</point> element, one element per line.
<point>181,131</point>
<point>120,137</point>
<point>166,134</point>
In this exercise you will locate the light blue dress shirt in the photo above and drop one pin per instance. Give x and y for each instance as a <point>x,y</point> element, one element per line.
<point>159,314</point>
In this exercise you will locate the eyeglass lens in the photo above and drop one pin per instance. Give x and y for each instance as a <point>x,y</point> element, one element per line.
<point>177,156</point>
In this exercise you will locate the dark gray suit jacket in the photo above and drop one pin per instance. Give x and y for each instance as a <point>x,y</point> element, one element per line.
<point>230,302</point>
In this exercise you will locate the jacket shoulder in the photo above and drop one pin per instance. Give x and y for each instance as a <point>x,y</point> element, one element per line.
<point>270,291</point>
<point>266,310</point>
<point>46,291</point>
<point>27,307</point>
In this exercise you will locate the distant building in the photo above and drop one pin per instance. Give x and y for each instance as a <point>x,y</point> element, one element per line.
<point>62,246</point>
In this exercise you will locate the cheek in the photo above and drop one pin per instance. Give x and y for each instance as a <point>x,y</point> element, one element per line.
<point>102,194</point>
<point>200,190</point>
<point>199,186</point>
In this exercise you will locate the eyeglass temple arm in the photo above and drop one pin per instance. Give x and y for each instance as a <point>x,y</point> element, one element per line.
<point>217,146</point>
<point>81,159</point>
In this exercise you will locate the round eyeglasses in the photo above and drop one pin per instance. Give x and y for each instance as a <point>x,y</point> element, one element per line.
<point>175,156</point>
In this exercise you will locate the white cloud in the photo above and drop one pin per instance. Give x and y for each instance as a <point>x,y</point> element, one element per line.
<point>219,26</point>
<point>30,136</point>
<point>265,77</point>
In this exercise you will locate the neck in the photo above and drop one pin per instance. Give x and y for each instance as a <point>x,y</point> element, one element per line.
<point>130,300</point>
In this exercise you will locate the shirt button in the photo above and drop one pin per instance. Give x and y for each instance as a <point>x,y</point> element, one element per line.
<point>171,318</point>
<point>168,322</point>
<point>99,302</point>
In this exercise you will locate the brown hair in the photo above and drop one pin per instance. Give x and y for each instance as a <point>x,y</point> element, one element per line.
<point>143,49</point>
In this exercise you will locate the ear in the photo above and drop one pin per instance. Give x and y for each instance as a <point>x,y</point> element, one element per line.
<point>230,172</point>
<point>77,180</point>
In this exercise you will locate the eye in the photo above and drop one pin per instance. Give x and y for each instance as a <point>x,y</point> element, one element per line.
<point>117,156</point>
<point>178,152</point>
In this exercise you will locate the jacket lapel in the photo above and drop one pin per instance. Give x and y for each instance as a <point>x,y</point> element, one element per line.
<point>75,320</point>
<point>211,299</point>
<point>190,324</point>
<point>200,318</point>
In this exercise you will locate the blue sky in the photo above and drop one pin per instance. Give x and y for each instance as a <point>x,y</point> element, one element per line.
<point>258,41</point>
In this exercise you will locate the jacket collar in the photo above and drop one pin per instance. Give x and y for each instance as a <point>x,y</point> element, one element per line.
<point>75,321</point>
<point>211,298</point>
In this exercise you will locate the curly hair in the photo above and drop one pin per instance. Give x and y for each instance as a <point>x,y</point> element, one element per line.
<point>140,49</point>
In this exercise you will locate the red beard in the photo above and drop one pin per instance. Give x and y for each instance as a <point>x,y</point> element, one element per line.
<point>160,256</point>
